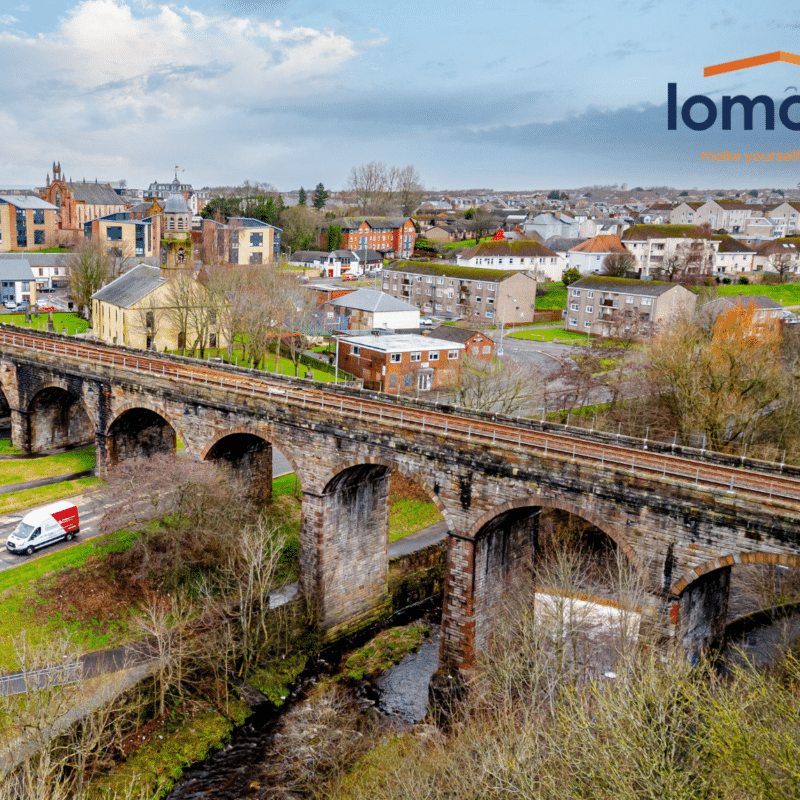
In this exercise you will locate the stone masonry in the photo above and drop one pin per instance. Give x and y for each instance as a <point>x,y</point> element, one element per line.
<point>681,538</point>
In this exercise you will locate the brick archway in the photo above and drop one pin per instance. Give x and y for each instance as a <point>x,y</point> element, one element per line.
<point>144,404</point>
<point>57,417</point>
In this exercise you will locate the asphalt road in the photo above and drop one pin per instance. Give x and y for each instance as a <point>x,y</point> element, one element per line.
<point>91,508</point>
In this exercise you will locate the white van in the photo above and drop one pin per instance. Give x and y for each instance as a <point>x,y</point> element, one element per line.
<point>44,526</point>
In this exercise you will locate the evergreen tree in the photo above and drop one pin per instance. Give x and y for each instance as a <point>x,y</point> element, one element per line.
<point>301,200</point>
<point>334,237</point>
<point>320,196</point>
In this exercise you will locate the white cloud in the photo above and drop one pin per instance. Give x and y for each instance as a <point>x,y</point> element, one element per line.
<point>129,59</point>
<point>7,19</point>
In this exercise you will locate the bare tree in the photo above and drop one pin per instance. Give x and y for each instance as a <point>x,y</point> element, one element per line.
<point>373,186</point>
<point>783,264</point>
<point>505,387</point>
<point>618,265</point>
<point>409,189</point>
<point>89,270</point>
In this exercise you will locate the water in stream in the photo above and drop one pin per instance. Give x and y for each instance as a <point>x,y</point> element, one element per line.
<point>247,765</point>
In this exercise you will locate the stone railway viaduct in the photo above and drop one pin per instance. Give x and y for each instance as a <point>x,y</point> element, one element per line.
<point>683,534</point>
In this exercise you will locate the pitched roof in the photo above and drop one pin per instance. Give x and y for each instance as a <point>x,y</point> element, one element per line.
<point>131,287</point>
<point>352,223</point>
<point>176,204</point>
<point>309,255</point>
<point>757,300</point>
<point>372,300</point>
<point>626,285</point>
<point>453,334</point>
<point>26,201</point>
<point>18,269</point>
<point>95,193</point>
<point>639,232</point>
<point>563,243</point>
<point>451,270</point>
<point>727,244</point>
<point>779,247</point>
<point>508,247</point>
<point>600,244</point>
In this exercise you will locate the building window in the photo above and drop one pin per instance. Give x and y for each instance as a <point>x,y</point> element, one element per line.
<point>574,307</point>
<point>355,350</point>
<point>573,321</point>
<point>433,355</point>
<point>629,299</point>
<point>590,295</point>
<point>38,216</point>
<point>452,355</point>
<point>41,271</point>
<point>114,233</point>
<point>256,240</point>
<point>576,292</point>
<point>487,348</point>
<point>396,358</point>
<point>393,381</point>
<point>589,309</point>
<point>647,301</point>
<point>587,323</point>
<point>416,356</point>
<point>257,258</point>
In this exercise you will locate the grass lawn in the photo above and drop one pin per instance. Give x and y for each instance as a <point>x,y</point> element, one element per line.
<point>285,366</point>
<point>23,608</point>
<point>7,450</point>
<point>556,297</point>
<point>32,469</point>
<point>466,243</point>
<point>410,508</point>
<point>551,335</point>
<point>63,322</point>
<point>14,501</point>
<point>786,293</point>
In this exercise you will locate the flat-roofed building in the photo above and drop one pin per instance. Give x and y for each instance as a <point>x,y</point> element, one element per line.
<point>401,363</point>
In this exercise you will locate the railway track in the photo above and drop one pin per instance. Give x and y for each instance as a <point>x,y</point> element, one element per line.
<point>733,480</point>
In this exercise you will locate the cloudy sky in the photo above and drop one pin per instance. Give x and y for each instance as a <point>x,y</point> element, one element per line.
<point>294,92</point>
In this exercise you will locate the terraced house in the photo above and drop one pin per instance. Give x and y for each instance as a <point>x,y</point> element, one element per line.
<point>479,295</point>
<point>604,306</point>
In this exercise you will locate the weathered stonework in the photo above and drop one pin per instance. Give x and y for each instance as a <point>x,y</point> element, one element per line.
<point>672,531</point>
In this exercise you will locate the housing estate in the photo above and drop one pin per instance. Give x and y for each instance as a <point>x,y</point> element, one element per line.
<point>453,291</point>
<point>615,306</point>
<point>671,249</point>
<point>243,240</point>
<point>518,255</point>
<point>17,281</point>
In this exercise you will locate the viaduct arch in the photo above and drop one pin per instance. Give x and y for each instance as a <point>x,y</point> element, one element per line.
<point>343,444</point>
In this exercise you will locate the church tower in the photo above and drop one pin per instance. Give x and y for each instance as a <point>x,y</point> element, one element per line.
<point>176,241</point>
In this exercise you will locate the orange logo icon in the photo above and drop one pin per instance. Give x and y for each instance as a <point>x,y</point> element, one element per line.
<point>753,61</point>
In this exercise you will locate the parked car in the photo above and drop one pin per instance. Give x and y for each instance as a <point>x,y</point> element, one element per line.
<point>10,305</point>
<point>45,526</point>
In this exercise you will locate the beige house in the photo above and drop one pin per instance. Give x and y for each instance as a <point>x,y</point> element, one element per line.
<point>144,309</point>
<point>621,306</point>
<point>480,295</point>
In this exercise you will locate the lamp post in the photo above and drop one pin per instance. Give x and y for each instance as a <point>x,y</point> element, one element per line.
<point>336,363</point>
